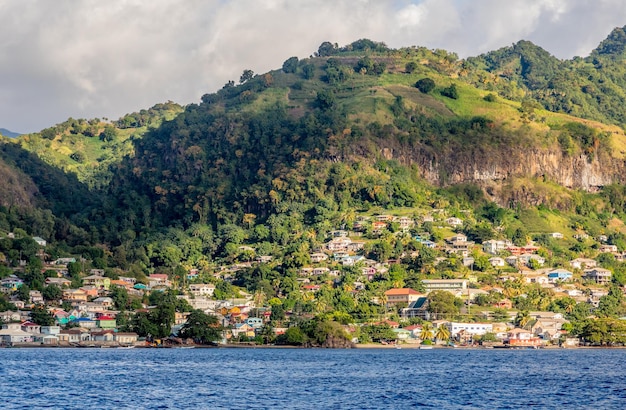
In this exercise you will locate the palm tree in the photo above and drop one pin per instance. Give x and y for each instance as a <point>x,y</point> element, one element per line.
<point>427,331</point>
<point>442,333</point>
<point>522,318</point>
<point>569,304</point>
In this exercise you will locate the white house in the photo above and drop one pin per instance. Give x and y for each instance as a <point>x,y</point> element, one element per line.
<point>496,261</point>
<point>471,328</point>
<point>583,263</point>
<point>202,289</point>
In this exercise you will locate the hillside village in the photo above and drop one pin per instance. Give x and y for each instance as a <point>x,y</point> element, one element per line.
<point>437,287</point>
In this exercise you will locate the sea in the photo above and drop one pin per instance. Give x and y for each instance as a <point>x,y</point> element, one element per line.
<point>267,378</point>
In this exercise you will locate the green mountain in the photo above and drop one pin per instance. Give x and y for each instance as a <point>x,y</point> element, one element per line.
<point>353,127</point>
<point>361,127</point>
<point>591,87</point>
<point>88,148</point>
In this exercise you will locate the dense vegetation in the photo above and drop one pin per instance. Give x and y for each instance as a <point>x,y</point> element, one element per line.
<point>271,165</point>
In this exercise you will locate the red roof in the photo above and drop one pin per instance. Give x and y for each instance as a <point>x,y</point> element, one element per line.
<point>106,318</point>
<point>401,291</point>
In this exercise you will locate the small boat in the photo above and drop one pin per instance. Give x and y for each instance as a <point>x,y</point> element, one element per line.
<point>426,347</point>
<point>398,347</point>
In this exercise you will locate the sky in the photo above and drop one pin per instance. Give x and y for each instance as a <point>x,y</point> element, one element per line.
<point>94,58</point>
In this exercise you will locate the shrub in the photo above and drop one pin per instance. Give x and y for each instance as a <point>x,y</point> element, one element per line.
<point>425,85</point>
<point>450,92</point>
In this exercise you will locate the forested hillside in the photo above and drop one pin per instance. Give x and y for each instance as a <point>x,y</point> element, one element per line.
<point>316,188</point>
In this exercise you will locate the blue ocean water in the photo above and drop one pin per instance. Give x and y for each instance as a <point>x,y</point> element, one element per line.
<point>311,379</point>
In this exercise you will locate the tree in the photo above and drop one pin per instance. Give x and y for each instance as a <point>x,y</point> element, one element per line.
<point>290,65</point>
<point>246,76</point>
<point>442,304</point>
<point>325,99</point>
<point>202,328</point>
<point>108,134</point>
<point>410,67</point>
<point>326,49</point>
<point>119,296</point>
<point>293,336</point>
<point>442,333</point>
<point>522,318</point>
<point>425,85</point>
<point>41,316</point>
<point>427,331</point>
<point>52,293</point>
<point>450,92</point>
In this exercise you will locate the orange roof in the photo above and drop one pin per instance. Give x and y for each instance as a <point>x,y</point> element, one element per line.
<point>401,291</point>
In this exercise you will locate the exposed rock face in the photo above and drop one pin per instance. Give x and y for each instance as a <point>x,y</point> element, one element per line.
<point>478,166</point>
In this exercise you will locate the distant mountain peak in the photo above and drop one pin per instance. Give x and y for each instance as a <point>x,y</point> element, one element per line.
<point>10,134</point>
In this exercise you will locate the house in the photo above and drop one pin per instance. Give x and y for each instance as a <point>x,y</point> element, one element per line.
<point>537,278</point>
<point>378,226</point>
<point>457,238</point>
<point>50,330</point>
<point>100,282</point>
<point>320,271</point>
<point>402,334</point>
<point>401,295</point>
<point>64,261</point>
<point>77,295</point>
<point>559,275</point>
<point>242,329</point>
<point>85,322</point>
<point>40,241</point>
<point>60,282</point>
<point>454,221</point>
<point>318,257</point>
<point>158,280</point>
<point>125,338</point>
<point>202,289</point>
<point>608,248</point>
<point>405,222</point>
<point>497,261</point>
<point>13,333</point>
<point>452,285</point>
<point>104,302</point>
<point>106,322</point>
<point>31,327</point>
<point>74,335</point>
<point>10,316</point>
<point>494,247</point>
<point>338,244</point>
<point>599,275</point>
<point>102,335</point>
<point>547,329</point>
<point>472,329</point>
<point>35,297</point>
<point>10,284</point>
<point>415,330</point>
<point>583,263</point>
<point>418,308</point>
<point>521,338</point>
<point>254,322</point>
<point>556,235</point>
<point>525,258</point>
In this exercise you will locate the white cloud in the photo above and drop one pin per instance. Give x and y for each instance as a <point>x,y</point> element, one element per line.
<point>92,58</point>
